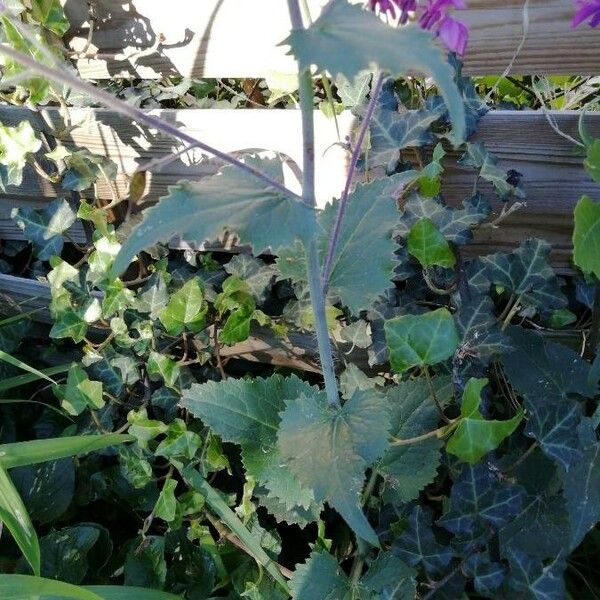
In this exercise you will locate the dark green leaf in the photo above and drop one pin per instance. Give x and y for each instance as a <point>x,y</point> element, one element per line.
<point>319,577</point>
<point>429,246</point>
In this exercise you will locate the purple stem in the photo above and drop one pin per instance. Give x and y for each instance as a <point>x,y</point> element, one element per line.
<point>136,114</point>
<point>339,217</point>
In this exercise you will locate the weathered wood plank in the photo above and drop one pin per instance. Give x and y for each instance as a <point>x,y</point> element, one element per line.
<point>552,172</point>
<point>231,38</point>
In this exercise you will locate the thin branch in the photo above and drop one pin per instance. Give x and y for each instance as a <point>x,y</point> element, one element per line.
<point>339,217</point>
<point>434,395</point>
<point>437,433</point>
<point>134,113</point>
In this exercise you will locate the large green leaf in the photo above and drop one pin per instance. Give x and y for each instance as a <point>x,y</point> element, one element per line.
<point>14,515</point>
<point>26,587</point>
<point>421,340</point>
<point>16,143</point>
<point>475,436</point>
<point>247,412</point>
<point>44,227</point>
<point>408,469</point>
<point>346,40</point>
<point>429,246</point>
<point>19,454</point>
<point>232,199</point>
<point>328,449</point>
<point>586,236</point>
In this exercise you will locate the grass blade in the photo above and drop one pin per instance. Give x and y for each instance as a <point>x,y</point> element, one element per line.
<point>20,454</point>
<point>14,515</point>
<point>19,380</point>
<point>218,505</point>
<point>15,362</point>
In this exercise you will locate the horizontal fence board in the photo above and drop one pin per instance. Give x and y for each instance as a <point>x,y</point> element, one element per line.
<point>552,171</point>
<point>237,38</point>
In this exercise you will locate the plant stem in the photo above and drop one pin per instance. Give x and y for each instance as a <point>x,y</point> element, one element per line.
<point>442,431</point>
<point>339,217</point>
<point>434,395</point>
<point>317,295</point>
<point>512,312</point>
<point>136,114</point>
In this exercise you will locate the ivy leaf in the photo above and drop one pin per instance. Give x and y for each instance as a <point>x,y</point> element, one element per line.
<point>354,92</point>
<point>85,168</point>
<point>16,143</point>
<point>388,577</point>
<point>478,157</point>
<point>162,367</point>
<point>546,374</point>
<point>487,574</point>
<point>80,392</point>
<point>527,273</point>
<point>347,40</point>
<point>145,564</point>
<point>44,227</point>
<point>475,436</point>
<point>533,580</point>
<point>391,131</point>
<point>51,15</point>
<point>231,199</point>
<point>180,443</point>
<point>429,246</point>
<point>479,499</point>
<point>418,545</point>
<point>581,489</point>
<point>592,160</point>
<point>246,412</point>
<point>255,273</point>
<point>357,334</point>
<point>186,309</point>
<point>353,379</point>
<point>319,577</point>
<point>154,296</point>
<point>408,469</point>
<point>455,224</point>
<point>420,340</point>
<point>586,235</point>
<point>328,449</point>
<point>166,505</point>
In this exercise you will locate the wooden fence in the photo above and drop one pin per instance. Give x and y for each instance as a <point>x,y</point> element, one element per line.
<point>235,38</point>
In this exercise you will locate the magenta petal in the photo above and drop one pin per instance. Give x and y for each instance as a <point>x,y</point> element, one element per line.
<point>454,34</point>
<point>583,14</point>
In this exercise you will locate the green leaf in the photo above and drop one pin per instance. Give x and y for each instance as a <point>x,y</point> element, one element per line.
<point>20,380</point>
<point>319,577</point>
<point>408,469</point>
<point>328,449</point>
<point>247,412</point>
<point>145,563</point>
<point>79,393</point>
<point>455,224</point>
<point>44,227</point>
<point>144,429</point>
<point>16,143</point>
<point>14,515</point>
<point>346,40</point>
<point>586,236</point>
<point>227,516</point>
<point>421,340</point>
<point>166,505</point>
<point>19,454</point>
<point>186,309</point>
<point>475,436</point>
<point>51,15</point>
<point>429,246</point>
<point>232,199</point>
<point>592,160</point>
<point>179,443</point>
<point>254,272</point>
<point>162,367</point>
<point>85,168</point>
<point>15,362</point>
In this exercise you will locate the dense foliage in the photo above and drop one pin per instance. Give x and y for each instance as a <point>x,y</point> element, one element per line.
<point>460,457</point>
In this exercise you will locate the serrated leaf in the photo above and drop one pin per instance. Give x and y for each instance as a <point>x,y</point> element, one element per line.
<point>16,143</point>
<point>246,412</point>
<point>388,577</point>
<point>546,374</point>
<point>418,545</point>
<point>420,340</point>
<point>581,489</point>
<point>408,469</point>
<point>474,435</point>
<point>479,499</point>
<point>296,515</point>
<point>354,92</point>
<point>527,273</point>
<point>329,448</point>
<point>429,246</point>
<point>455,224</point>
<point>586,235</point>
<point>319,577</point>
<point>347,40</point>
<point>44,227</point>
<point>232,199</point>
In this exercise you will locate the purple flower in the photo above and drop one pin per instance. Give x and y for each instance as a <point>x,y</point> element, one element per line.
<point>454,34</point>
<point>406,6</point>
<point>388,6</point>
<point>586,9</point>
